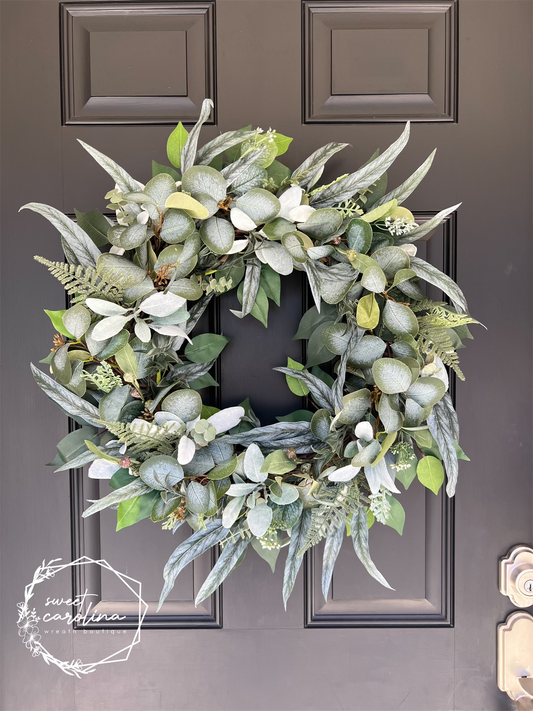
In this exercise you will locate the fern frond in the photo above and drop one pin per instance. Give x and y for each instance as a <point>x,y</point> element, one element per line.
<point>81,282</point>
<point>425,305</point>
<point>436,341</point>
<point>338,502</point>
<point>154,438</point>
<point>440,317</point>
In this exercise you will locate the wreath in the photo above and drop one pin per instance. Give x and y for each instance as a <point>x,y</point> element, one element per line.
<point>127,368</point>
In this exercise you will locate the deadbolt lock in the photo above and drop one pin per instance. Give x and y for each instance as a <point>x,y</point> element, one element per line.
<point>516,576</point>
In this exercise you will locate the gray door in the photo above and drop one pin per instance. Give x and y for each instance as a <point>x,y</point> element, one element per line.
<point>118,76</point>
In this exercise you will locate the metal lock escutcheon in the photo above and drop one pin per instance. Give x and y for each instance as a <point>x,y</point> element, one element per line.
<point>516,576</point>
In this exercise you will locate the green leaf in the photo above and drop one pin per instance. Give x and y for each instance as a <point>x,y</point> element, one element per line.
<point>396,517</point>
<point>185,404</point>
<point>391,375</point>
<point>127,360</point>
<point>374,279</point>
<point>223,469</point>
<point>120,478</point>
<point>406,476</point>
<point>217,234</point>
<point>77,320</point>
<point>134,510</point>
<point>200,499</point>
<point>161,472</point>
<point>182,201</point>
<point>336,337</point>
<point>317,350</point>
<point>378,213</point>
<point>367,312</point>
<point>296,386</point>
<point>94,224</point>
<point>259,519</point>
<point>119,270</point>
<point>205,347</point>
<point>367,351</point>
<point>56,317</point>
<point>268,554</point>
<point>277,462</point>
<point>320,424</point>
<point>175,143</point>
<point>399,319</point>
<point>391,260</point>
<point>276,256</point>
<point>322,223</point>
<point>312,319</point>
<point>205,381</point>
<point>296,416</point>
<point>359,235</point>
<point>427,391</point>
<point>355,406</point>
<point>260,205</point>
<point>403,275</point>
<point>203,179</point>
<point>157,169</point>
<point>260,308</point>
<point>271,283</point>
<point>282,143</point>
<point>430,473</point>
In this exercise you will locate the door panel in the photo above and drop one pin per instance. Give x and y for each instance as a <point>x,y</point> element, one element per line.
<point>430,645</point>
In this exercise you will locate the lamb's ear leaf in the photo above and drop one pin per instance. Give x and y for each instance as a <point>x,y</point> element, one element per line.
<point>136,488</point>
<point>402,192</point>
<point>67,400</point>
<point>188,152</point>
<point>331,552</point>
<point>294,561</point>
<point>124,181</point>
<point>428,226</point>
<point>222,143</point>
<point>186,552</point>
<point>434,276</point>
<point>345,188</point>
<point>227,561</point>
<point>307,170</point>
<point>80,244</point>
<point>359,530</point>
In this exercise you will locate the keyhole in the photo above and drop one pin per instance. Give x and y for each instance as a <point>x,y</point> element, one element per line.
<point>528,586</point>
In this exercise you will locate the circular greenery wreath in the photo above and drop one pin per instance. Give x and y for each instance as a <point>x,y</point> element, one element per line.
<point>230,215</point>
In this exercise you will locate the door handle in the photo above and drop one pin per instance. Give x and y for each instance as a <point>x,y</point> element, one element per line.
<point>515,635</point>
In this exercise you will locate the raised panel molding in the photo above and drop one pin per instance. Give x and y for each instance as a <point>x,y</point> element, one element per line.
<point>93,537</point>
<point>379,61</point>
<point>423,570</point>
<point>142,63</point>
